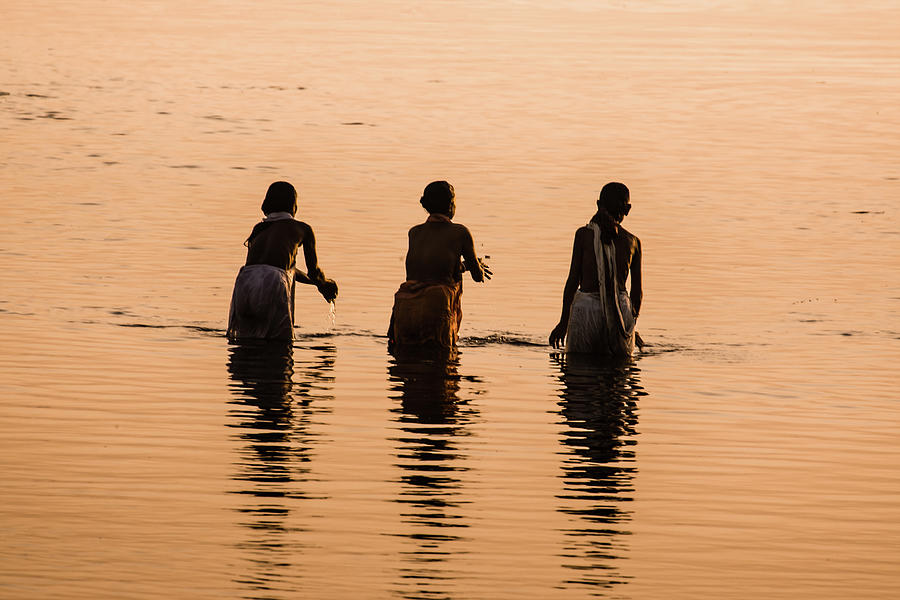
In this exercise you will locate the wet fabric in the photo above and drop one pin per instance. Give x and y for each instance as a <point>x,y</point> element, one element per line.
<point>426,314</point>
<point>262,304</point>
<point>602,322</point>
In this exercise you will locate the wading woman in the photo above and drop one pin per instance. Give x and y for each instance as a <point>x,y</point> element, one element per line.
<point>427,307</point>
<point>262,303</point>
<point>598,314</point>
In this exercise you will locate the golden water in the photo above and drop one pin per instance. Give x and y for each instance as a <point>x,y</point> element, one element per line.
<point>752,452</point>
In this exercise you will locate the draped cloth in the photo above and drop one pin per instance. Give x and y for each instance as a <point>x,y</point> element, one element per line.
<point>602,322</point>
<point>262,304</point>
<point>426,314</point>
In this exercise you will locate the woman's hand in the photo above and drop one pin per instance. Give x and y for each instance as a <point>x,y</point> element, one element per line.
<point>328,288</point>
<point>485,269</point>
<point>558,335</point>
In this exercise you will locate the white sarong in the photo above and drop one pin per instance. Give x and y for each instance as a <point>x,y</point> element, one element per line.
<point>262,304</point>
<point>602,322</point>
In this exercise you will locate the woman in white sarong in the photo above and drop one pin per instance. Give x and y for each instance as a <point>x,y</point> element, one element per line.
<point>602,322</point>
<point>600,317</point>
<point>262,303</point>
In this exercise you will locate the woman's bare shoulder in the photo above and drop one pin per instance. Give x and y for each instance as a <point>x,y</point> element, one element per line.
<point>631,240</point>
<point>631,237</point>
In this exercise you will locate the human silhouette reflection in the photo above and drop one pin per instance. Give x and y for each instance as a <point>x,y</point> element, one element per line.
<point>598,404</point>
<point>431,419</point>
<point>272,409</point>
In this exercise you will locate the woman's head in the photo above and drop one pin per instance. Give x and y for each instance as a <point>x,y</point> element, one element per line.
<point>614,199</point>
<point>438,197</point>
<point>280,197</point>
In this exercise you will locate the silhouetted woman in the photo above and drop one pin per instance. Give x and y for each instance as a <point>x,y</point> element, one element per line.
<point>262,303</point>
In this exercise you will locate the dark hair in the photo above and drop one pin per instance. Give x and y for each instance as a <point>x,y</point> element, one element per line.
<point>614,198</point>
<point>437,197</point>
<point>280,197</point>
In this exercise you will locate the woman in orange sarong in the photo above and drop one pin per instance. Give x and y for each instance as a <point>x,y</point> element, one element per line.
<point>427,309</point>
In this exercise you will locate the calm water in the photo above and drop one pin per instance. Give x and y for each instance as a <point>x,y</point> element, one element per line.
<point>750,452</point>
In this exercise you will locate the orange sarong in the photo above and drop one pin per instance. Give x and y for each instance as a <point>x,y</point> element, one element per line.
<point>426,314</point>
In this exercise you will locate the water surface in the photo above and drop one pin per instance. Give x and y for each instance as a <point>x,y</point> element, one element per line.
<point>750,452</point>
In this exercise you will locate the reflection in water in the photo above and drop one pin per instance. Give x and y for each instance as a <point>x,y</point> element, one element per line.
<point>273,407</point>
<point>431,420</point>
<point>599,409</point>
